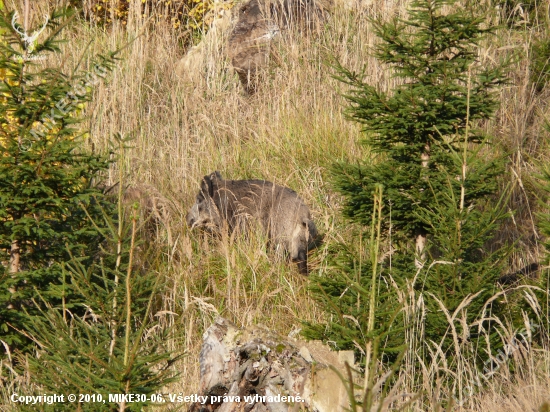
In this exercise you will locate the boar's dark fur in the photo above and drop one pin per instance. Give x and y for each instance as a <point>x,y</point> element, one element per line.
<point>282,214</point>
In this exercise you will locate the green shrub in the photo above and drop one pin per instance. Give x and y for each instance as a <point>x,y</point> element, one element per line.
<point>108,340</point>
<point>46,177</point>
<point>439,211</point>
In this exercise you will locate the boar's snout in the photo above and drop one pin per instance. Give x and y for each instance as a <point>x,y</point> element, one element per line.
<point>203,214</point>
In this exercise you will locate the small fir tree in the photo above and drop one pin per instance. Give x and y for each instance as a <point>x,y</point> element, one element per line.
<point>363,306</point>
<point>360,300</point>
<point>46,176</point>
<point>109,341</point>
<point>434,57</point>
<point>437,186</point>
<point>463,265</point>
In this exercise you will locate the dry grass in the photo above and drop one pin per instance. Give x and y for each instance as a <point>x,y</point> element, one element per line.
<point>290,132</point>
<point>521,393</point>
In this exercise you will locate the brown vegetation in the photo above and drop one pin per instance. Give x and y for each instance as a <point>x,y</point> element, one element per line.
<point>289,132</point>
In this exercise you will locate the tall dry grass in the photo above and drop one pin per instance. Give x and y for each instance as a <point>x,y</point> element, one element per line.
<point>290,133</point>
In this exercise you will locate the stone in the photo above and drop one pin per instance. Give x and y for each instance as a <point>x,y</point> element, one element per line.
<point>264,366</point>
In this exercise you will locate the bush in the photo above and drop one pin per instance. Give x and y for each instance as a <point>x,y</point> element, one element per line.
<point>46,177</point>
<point>108,340</point>
<point>439,210</point>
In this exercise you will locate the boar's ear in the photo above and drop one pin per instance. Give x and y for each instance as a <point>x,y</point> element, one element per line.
<point>207,188</point>
<point>216,176</point>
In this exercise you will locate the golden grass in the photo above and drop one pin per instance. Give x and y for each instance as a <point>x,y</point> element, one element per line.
<point>290,133</point>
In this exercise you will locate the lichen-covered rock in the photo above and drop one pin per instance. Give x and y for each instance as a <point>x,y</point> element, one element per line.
<point>258,370</point>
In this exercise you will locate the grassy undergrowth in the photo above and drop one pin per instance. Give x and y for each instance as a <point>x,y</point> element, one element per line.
<point>290,133</point>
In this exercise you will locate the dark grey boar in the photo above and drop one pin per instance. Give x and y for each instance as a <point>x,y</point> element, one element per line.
<point>282,214</point>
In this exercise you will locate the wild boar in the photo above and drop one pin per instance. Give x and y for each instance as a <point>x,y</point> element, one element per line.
<point>282,214</point>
